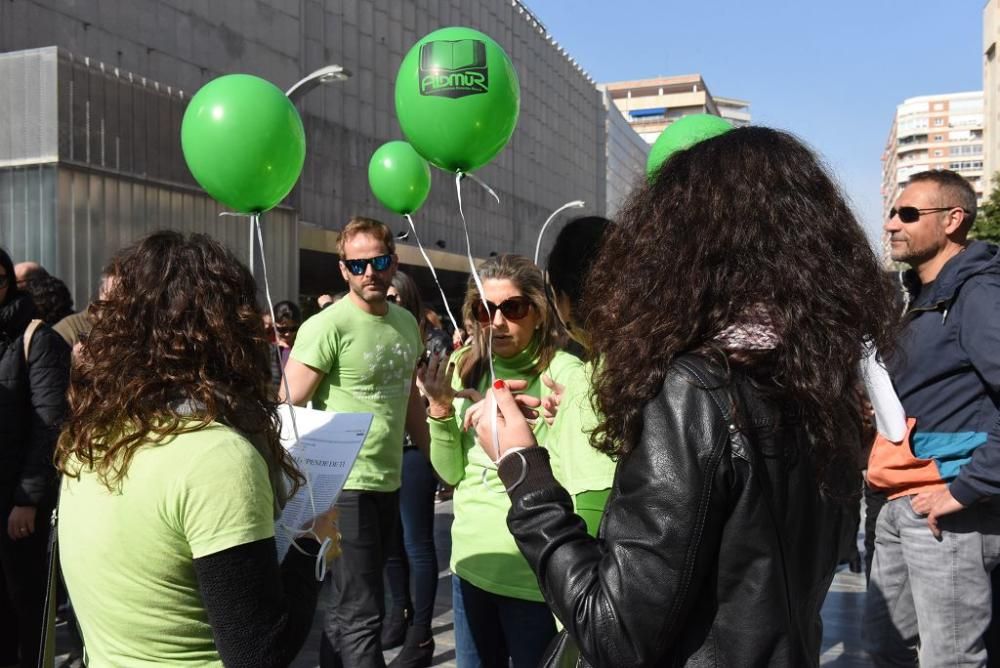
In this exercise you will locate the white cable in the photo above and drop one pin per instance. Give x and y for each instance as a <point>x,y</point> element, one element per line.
<point>433,273</point>
<point>482,297</point>
<point>325,542</point>
<point>578,204</point>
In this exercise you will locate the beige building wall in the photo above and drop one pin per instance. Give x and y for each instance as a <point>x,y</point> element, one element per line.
<point>650,105</point>
<point>991,91</point>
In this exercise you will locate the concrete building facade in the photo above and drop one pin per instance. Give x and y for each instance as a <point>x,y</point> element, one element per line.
<point>169,48</point>
<point>626,157</point>
<point>991,93</point>
<point>650,105</point>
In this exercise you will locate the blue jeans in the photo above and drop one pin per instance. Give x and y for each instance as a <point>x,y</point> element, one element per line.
<point>931,594</point>
<point>491,630</point>
<point>418,562</point>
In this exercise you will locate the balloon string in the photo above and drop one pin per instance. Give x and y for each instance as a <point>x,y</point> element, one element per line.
<point>579,204</point>
<point>430,266</point>
<point>482,297</point>
<point>325,543</point>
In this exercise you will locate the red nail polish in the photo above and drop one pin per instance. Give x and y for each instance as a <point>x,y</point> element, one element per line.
<point>499,385</point>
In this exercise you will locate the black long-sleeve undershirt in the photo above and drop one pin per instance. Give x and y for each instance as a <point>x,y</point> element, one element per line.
<point>260,613</point>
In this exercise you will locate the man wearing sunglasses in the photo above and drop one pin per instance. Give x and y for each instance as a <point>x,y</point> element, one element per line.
<point>937,539</point>
<point>359,356</point>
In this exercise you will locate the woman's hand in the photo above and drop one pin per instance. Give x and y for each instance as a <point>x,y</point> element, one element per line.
<point>434,381</point>
<point>550,404</point>
<point>21,522</point>
<point>324,526</point>
<point>513,427</point>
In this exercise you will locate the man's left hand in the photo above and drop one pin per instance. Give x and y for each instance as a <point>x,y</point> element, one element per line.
<point>935,505</point>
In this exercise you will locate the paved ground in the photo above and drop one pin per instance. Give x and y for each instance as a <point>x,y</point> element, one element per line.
<point>841,614</point>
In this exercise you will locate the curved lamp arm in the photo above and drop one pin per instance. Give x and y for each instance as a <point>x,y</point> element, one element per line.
<point>323,75</point>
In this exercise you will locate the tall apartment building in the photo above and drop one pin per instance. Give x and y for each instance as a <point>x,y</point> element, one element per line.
<point>991,91</point>
<point>650,105</point>
<point>934,132</point>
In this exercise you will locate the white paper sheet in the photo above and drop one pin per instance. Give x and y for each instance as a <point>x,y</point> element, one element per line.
<point>890,418</point>
<point>327,448</point>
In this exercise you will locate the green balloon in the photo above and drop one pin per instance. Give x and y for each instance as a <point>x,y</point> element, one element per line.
<point>457,98</point>
<point>681,134</point>
<point>244,142</point>
<point>399,177</point>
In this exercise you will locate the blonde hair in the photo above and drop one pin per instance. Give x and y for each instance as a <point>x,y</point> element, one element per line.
<point>360,225</point>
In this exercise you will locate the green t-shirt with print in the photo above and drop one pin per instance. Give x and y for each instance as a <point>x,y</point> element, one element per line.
<point>368,362</point>
<point>483,551</point>
<point>125,550</point>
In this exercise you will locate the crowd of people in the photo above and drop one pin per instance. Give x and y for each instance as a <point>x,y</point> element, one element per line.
<point>658,442</point>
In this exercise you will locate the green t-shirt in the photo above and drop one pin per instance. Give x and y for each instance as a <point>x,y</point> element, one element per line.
<point>127,555</point>
<point>368,361</point>
<point>585,472</point>
<point>483,552</point>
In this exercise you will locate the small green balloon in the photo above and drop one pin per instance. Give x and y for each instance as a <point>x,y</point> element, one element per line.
<point>399,177</point>
<point>682,134</point>
<point>244,142</point>
<point>457,98</point>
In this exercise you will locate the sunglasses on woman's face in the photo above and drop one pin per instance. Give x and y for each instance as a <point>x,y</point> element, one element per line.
<point>4,281</point>
<point>357,267</point>
<point>392,298</point>
<point>515,308</point>
<point>287,329</point>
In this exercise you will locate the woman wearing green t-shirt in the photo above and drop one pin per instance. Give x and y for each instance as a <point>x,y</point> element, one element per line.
<point>499,611</point>
<point>173,472</point>
<point>585,472</point>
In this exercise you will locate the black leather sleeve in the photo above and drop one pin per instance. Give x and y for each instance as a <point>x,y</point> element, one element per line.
<point>624,596</point>
<point>48,380</point>
<point>260,614</point>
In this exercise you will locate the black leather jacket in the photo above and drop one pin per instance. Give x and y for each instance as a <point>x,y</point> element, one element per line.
<point>32,406</point>
<point>716,548</point>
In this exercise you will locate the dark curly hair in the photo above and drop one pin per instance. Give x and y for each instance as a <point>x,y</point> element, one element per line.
<point>51,297</point>
<point>738,224</point>
<point>178,337</point>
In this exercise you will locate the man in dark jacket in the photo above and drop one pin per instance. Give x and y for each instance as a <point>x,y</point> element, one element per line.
<point>938,537</point>
<point>32,406</point>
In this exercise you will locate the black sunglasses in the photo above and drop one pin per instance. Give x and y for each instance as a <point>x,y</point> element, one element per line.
<point>911,214</point>
<point>392,298</point>
<point>4,280</point>
<point>357,267</point>
<point>514,308</point>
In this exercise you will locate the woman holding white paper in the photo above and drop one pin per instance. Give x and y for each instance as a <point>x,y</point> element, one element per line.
<point>173,471</point>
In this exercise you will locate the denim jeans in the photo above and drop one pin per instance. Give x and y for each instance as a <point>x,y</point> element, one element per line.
<point>353,624</point>
<point>415,561</point>
<point>495,629</point>
<point>930,594</point>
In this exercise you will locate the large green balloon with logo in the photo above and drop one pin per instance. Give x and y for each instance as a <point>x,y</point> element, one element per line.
<point>399,177</point>
<point>682,134</point>
<point>244,142</point>
<point>457,98</point>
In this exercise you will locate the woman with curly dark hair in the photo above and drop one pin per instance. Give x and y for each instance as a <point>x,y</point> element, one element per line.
<point>51,297</point>
<point>727,312</point>
<point>174,473</point>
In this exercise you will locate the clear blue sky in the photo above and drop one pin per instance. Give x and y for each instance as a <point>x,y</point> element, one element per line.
<point>830,72</point>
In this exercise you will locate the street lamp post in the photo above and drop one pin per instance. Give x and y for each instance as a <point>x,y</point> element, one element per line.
<point>323,75</point>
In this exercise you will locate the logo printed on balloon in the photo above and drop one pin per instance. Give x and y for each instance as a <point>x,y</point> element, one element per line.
<point>457,98</point>
<point>454,68</point>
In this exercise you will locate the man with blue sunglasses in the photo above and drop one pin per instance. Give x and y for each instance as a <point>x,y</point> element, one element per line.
<point>359,356</point>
